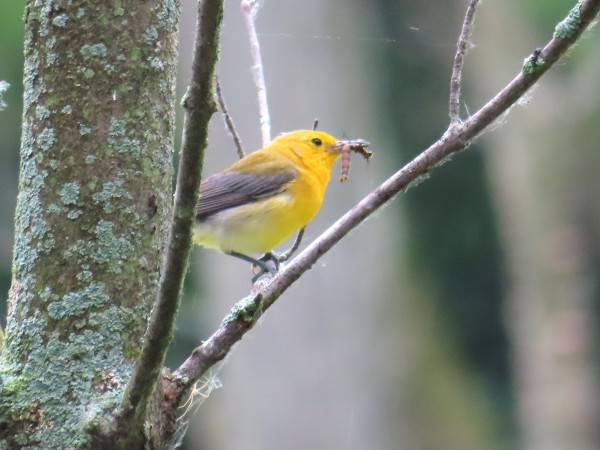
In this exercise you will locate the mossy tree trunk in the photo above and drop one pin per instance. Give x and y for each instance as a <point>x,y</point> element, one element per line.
<point>94,202</point>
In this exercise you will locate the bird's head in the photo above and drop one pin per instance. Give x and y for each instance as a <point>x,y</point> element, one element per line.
<point>319,151</point>
<point>310,147</point>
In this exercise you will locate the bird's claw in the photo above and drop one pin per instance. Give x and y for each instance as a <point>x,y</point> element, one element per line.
<point>267,263</point>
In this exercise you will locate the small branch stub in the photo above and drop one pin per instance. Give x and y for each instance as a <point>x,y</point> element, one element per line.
<point>461,50</point>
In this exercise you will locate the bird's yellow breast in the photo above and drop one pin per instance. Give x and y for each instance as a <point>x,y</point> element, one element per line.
<point>261,226</point>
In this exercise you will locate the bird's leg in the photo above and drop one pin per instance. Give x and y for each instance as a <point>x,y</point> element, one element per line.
<point>262,263</point>
<point>288,253</point>
<point>250,259</point>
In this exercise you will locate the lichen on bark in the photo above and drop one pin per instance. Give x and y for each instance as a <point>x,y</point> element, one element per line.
<point>93,206</point>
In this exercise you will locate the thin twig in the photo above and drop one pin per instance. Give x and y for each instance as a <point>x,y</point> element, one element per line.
<point>257,71</point>
<point>461,50</point>
<point>244,315</point>
<point>228,121</point>
<point>199,106</point>
<point>288,253</point>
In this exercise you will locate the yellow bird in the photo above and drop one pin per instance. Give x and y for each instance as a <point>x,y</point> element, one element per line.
<point>264,198</point>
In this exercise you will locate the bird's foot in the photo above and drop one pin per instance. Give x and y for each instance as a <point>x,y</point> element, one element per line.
<point>267,263</point>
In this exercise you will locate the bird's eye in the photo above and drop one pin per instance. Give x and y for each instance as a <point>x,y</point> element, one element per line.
<point>317,141</point>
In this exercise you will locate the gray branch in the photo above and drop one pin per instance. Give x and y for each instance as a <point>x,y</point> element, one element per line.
<point>199,105</point>
<point>458,137</point>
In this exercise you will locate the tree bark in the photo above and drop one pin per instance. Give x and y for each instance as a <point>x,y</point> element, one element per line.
<point>94,201</point>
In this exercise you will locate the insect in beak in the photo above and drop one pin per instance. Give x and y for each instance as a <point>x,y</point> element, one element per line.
<point>345,147</point>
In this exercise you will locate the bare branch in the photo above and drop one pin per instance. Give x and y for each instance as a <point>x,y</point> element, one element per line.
<point>199,106</point>
<point>257,71</point>
<point>461,50</point>
<point>458,137</point>
<point>228,121</point>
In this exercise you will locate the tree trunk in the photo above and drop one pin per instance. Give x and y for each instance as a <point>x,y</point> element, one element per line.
<point>94,201</point>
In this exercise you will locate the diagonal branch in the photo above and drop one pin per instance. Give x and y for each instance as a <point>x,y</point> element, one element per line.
<point>199,106</point>
<point>458,137</point>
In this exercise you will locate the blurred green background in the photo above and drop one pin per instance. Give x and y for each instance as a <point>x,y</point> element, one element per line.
<point>462,315</point>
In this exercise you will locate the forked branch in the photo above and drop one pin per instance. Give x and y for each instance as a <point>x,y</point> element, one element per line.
<point>458,137</point>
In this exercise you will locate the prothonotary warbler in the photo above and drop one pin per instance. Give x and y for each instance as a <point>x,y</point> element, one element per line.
<point>264,198</point>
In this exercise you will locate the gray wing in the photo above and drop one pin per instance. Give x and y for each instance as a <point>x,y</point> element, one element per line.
<point>230,189</point>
